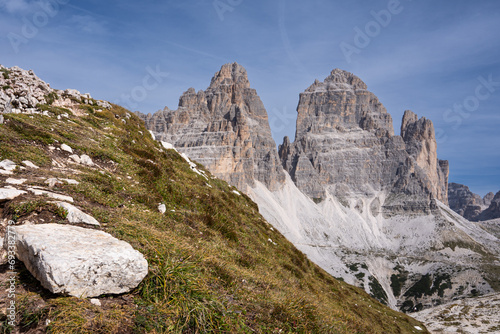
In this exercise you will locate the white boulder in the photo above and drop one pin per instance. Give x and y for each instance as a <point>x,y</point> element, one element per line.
<point>66,148</point>
<point>76,261</point>
<point>29,164</point>
<point>7,194</point>
<point>162,208</point>
<point>86,160</point>
<point>41,192</point>
<point>77,216</point>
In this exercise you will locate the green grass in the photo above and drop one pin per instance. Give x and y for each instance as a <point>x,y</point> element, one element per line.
<point>212,268</point>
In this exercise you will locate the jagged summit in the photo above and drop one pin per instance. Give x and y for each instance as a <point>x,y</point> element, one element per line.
<point>231,74</point>
<point>236,142</point>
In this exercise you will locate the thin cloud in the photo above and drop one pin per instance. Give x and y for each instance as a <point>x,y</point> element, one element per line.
<point>89,24</point>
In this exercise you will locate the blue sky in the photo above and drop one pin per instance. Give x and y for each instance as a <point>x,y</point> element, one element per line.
<point>440,59</point>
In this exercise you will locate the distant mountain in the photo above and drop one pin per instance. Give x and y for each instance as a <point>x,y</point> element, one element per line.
<point>471,206</point>
<point>368,206</point>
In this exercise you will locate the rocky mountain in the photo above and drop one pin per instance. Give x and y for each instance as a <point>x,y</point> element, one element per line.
<point>366,205</point>
<point>226,128</point>
<point>345,146</point>
<point>471,206</point>
<point>90,203</point>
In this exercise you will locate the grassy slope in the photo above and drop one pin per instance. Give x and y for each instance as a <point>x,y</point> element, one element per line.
<point>212,265</point>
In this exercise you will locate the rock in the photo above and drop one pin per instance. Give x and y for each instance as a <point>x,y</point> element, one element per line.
<point>345,146</point>
<point>70,181</point>
<point>66,148</point>
<point>86,160</point>
<point>488,198</point>
<point>75,158</point>
<point>420,140</point>
<point>79,262</point>
<point>8,165</point>
<point>152,135</point>
<point>471,206</point>
<point>29,164</point>
<point>225,128</point>
<point>52,182</point>
<point>167,146</point>
<point>41,192</point>
<point>464,202</point>
<point>95,301</point>
<point>493,211</point>
<point>1,119</point>
<point>7,194</point>
<point>15,181</point>
<point>76,216</point>
<point>162,208</point>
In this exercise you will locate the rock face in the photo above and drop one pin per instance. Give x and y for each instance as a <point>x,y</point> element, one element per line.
<point>493,211</point>
<point>224,128</point>
<point>76,261</point>
<point>471,206</point>
<point>345,146</point>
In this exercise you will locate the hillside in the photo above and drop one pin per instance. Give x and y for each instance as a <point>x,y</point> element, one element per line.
<point>215,264</point>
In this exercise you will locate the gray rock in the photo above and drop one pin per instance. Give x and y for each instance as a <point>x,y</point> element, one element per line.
<point>8,165</point>
<point>29,164</point>
<point>345,146</point>
<point>7,194</point>
<point>76,216</point>
<point>79,262</point>
<point>225,128</point>
<point>464,202</point>
<point>86,160</point>
<point>162,208</point>
<point>493,211</point>
<point>41,192</point>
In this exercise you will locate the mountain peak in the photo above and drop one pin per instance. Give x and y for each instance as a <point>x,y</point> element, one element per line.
<point>231,74</point>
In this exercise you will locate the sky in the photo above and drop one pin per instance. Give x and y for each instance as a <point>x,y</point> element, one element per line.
<point>440,59</point>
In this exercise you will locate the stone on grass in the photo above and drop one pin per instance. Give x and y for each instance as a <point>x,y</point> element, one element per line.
<point>162,208</point>
<point>40,192</point>
<point>8,165</point>
<point>77,216</point>
<point>29,164</point>
<point>66,148</point>
<point>86,160</point>
<point>52,182</point>
<point>15,181</point>
<point>75,158</point>
<point>79,262</point>
<point>7,194</point>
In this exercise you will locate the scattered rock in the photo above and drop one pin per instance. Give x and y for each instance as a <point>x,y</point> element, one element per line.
<point>95,301</point>
<point>7,194</point>
<point>8,165</point>
<point>52,182</point>
<point>76,216</point>
<point>86,160</point>
<point>75,158</point>
<point>162,208</point>
<point>15,181</point>
<point>70,181</point>
<point>40,192</point>
<point>29,164</point>
<point>79,262</point>
<point>66,148</point>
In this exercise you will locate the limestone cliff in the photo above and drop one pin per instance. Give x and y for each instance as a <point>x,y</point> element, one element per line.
<point>345,145</point>
<point>225,128</point>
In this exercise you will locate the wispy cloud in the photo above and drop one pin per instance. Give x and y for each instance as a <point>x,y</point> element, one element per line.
<point>89,24</point>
